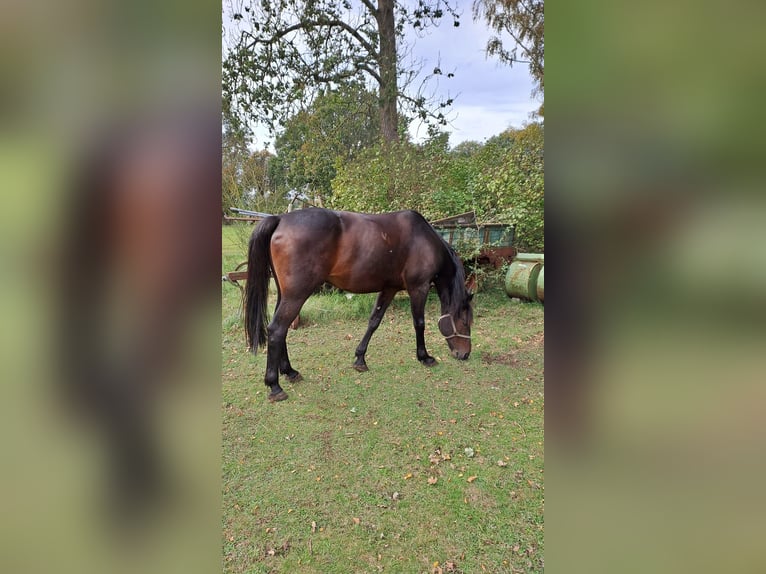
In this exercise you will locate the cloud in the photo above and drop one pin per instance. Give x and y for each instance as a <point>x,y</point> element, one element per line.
<point>488,97</point>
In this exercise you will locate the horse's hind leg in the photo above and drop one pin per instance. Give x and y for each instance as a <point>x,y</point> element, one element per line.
<point>285,368</point>
<point>384,300</point>
<point>276,358</point>
<point>284,360</point>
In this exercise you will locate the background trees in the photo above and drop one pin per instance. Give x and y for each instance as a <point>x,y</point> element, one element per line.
<point>284,51</point>
<point>523,22</point>
<point>501,180</point>
<point>330,132</point>
<point>245,173</point>
<point>327,77</point>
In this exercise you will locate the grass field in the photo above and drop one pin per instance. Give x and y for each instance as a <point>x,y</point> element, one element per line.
<point>401,469</point>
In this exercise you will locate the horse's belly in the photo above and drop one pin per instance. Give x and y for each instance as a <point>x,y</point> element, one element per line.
<point>365,278</point>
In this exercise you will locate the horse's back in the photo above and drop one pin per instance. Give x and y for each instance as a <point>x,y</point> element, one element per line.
<point>356,252</point>
<point>387,250</point>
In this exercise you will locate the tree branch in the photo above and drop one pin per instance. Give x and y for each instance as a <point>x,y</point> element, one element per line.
<point>309,25</point>
<point>371,7</point>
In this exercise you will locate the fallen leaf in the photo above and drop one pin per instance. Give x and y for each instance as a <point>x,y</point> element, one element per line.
<point>432,480</point>
<point>502,463</point>
<point>408,476</point>
<point>472,478</point>
<point>356,520</point>
<point>313,526</point>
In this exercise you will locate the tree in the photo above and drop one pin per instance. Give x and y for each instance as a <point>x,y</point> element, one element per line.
<point>332,130</point>
<point>524,22</point>
<point>501,180</point>
<point>244,174</point>
<point>285,50</point>
<point>403,175</point>
<point>511,184</point>
<point>233,149</point>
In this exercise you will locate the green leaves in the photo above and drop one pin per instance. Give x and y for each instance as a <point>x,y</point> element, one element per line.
<point>330,132</point>
<point>502,180</point>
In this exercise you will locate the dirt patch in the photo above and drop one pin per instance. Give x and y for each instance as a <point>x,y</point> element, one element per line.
<point>476,497</point>
<point>499,359</point>
<point>325,437</point>
<point>536,341</point>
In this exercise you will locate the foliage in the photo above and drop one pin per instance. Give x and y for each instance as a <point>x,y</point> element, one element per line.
<point>501,180</point>
<point>245,177</point>
<point>284,51</point>
<point>337,125</point>
<point>524,22</point>
<point>513,191</point>
<point>385,177</point>
<point>404,175</point>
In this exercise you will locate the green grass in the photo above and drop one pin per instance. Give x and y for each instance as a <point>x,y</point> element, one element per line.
<point>369,472</point>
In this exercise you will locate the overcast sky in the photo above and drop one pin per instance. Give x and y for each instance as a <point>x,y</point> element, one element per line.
<point>488,97</point>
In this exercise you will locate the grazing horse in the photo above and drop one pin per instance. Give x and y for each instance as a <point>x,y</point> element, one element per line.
<point>356,252</point>
<point>128,280</point>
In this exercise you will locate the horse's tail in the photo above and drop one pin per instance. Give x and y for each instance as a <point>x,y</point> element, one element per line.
<point>257,288</point>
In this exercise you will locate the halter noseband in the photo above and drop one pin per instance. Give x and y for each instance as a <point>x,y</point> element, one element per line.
<point>454,329</point>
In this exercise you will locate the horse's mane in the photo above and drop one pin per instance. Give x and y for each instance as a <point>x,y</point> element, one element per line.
<point>453,274</point>
<point>456,292</point>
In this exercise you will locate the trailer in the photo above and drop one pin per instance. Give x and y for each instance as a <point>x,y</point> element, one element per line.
<point>493,242</point>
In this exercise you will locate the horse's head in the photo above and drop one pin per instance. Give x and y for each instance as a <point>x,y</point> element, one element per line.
<point>456,328</point>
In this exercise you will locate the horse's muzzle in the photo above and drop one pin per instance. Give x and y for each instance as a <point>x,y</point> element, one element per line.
<point>462,356</point>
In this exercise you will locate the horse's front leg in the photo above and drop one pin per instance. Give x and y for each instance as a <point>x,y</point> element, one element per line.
<point>381,304</point>
<point>418,305</point>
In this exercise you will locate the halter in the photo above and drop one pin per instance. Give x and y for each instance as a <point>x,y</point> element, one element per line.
<point>454,329</point>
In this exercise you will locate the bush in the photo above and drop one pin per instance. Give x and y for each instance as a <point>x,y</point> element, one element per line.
<point>502,181</point>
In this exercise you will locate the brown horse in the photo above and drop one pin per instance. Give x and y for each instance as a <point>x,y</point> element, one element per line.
<point>356,252</point>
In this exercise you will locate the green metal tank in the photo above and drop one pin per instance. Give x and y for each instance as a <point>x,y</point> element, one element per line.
<point>541,285</point>
<point>521,279</point>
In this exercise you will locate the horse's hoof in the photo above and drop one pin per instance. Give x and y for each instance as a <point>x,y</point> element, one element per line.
<point>276,397</point>
<point>361,368</point>
<point>429,361</point>
<point>294,377</point>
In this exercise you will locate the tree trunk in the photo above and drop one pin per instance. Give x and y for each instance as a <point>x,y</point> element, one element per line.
<point>389,117</point>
